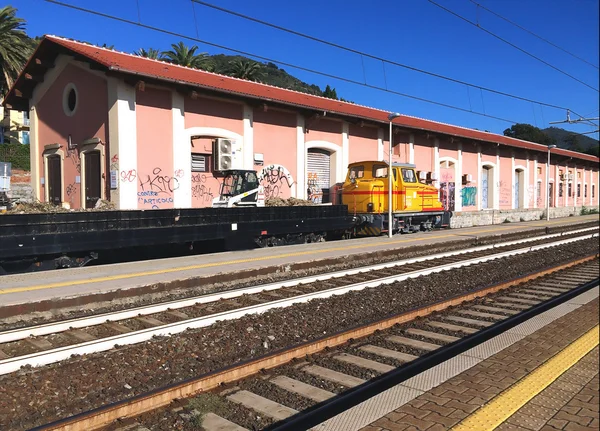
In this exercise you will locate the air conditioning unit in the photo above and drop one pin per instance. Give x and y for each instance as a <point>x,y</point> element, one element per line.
<point>467,178</point>
<point>570,177</point>
<point>562,177</point>
<point>227,154</point>
<point>422,175</point>
<point>432,176</point>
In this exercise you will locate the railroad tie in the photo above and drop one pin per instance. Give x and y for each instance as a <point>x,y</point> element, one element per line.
<point>473,322</point>
<point>213,422</point>
<point>177,314</point>
<point>417,344</point>
<point>451,327</point>
<point>80,335</point>
<point>364,363</point>
<point>495,309</point>
<point>388,353</point>
<point>307,391</point>
<point>39,343</point>
<point>481,314</point>
<point>118,327</point>
<point>150,321</point>
<point>433,335</point>
<point>333,376</point>
<point>262,405</point>
<point>518,300</point>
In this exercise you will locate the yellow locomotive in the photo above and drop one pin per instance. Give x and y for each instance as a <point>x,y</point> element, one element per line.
<point>415,206</point>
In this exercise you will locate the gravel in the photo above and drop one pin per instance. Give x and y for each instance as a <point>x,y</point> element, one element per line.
<point>32,397</point>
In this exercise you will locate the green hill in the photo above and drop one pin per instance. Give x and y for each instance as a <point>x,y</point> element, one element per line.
<point>570,141</point>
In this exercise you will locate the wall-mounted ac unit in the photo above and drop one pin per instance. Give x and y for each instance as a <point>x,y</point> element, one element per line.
<point>422,175</point>
<point>227,154</point>
<point>467,178</point>
<point>570,177</point>
<point>562,177</point>
<point>432,176</point>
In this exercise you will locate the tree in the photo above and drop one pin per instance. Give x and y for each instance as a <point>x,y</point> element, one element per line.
<point>245,69</point>
<point>330,93</point>
<point>572,143</point>
<point>152,53</point>
<point>184,56</point>
<point>15,47</point>
<point>530,133</point>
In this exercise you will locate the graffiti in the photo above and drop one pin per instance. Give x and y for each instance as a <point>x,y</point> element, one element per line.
<point>71,189</point>
<point>314,192</point>
<point>447,195</point>
<point>128,176</point>
<point>505,193</point>
<point>159,183</point>
<point>152,198</point>
<point>202,192</point>
<point>274,179</point>
<point>199,178</point>
<point>179,173</point>
<point>114,163</point>
<point>539,195</point>
<point>468,196</point>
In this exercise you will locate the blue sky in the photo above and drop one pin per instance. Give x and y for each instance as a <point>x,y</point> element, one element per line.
<point>413,32</point>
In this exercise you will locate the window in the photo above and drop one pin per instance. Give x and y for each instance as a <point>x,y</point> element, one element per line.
<point>70,100</point>
<point>578,190</point>
<point>1,135</point>
<point>539,170</point>
<point>201,162</point>
<point>560,190</point>
<point>356,172</point>
<point>578,174</point>
<point>593,191</point>
<point>380,171</point>
<point>570,192</point>
<point>25,138</point>
<point>585,191</point>
<point>408,176</point>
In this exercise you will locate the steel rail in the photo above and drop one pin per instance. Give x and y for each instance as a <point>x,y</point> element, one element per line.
<point>61,353</point>
<point>98,319</point>
<point>161,397</point>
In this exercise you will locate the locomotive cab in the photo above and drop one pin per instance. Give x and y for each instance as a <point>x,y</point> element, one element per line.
<point>415,205</point>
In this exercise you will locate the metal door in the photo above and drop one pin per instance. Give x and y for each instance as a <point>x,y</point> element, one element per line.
<point>318,175</point>
<point>54,180</point>
<point>92,178</point>
<point>484,188</point>
<point>551,194</point>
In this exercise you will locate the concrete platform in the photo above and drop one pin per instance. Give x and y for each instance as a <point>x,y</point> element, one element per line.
<point>540,375</point>
<point>67,283</point>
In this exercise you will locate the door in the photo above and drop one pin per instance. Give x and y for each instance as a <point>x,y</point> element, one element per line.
<point>54,180</point>
<point>319,172</point>
<point>517,187</point>
<point>485,188</point>
<point>92,178</point>
<point>551,194</point>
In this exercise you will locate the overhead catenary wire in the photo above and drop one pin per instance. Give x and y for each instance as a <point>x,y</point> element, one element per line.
<point>327,75</point>
<point>371,56</point>
<point>511,44</point>
<point>479,5</point>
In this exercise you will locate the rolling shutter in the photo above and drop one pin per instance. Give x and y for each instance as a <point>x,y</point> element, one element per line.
<point>319,171</point>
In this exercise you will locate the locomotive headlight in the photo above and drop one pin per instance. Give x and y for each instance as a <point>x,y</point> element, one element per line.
<point>370,207</point>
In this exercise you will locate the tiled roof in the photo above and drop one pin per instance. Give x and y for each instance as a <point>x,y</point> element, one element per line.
<point>144,67</point>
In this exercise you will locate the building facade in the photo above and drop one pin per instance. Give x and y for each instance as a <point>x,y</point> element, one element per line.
<point>14,126</point>
<point>146,134</point>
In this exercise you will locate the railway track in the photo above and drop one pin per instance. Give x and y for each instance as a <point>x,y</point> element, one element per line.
<point>272,391</point>
<point>49,343</point>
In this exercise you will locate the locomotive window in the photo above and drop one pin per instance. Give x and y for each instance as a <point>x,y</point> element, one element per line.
<point>357,171</point>
<point>408,175</point>
<point>380,171</point>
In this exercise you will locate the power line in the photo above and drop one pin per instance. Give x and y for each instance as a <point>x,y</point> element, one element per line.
<point>361,53</point>
<point>533,34</point>
<point>512,44</point>
<point>328,75</point>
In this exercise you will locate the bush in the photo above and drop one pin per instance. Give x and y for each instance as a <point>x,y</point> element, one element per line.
<point>16,154</point>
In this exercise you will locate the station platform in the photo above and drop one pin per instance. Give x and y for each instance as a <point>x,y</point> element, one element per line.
<point>539,375</point>
<point>77,282</point>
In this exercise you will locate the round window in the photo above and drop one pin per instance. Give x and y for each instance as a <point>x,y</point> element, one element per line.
<point>70,100</point>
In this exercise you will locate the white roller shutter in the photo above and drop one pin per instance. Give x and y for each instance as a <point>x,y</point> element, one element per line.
<point>318,175</point>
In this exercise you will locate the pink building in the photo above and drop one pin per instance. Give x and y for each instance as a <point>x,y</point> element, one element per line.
<point>147,134</point>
